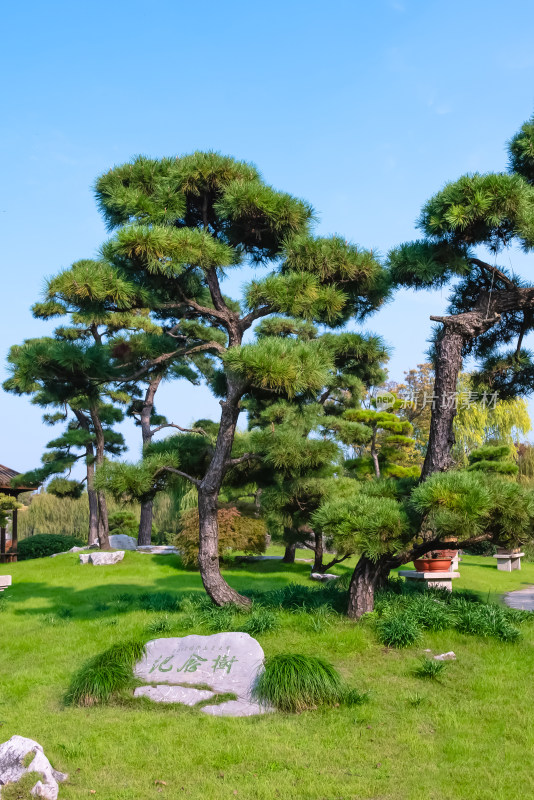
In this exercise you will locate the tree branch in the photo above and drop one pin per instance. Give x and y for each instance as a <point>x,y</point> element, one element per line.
<point>177,472</point>
<point>335,561</point>
<point>496,272</point>
<point>232,462</point>
<point>184,430</point>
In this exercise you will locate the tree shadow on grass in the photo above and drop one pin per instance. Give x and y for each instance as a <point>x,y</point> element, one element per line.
<point>104,600</point>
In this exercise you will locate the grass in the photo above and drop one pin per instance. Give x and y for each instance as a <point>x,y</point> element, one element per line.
<point>446,740</point>
<point>428,668</point>
<point>293,682</point>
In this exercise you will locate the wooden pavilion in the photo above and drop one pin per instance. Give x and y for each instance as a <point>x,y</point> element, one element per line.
<point>8,550</point>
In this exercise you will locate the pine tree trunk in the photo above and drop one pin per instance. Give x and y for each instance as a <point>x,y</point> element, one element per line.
<point>144,535</point>
<point>289,555</point>
<point>319,550</point>
<point>208,493</point>
<point>93,500</point>
<point>145,523</point>
<point>103,522</point>
<point>368,576</point>
<point>441,440</point>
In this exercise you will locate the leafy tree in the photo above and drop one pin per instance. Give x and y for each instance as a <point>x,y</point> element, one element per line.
<point>62,373</point>
<point>491,309</point>
<point>389,525</point>
<point>180,223</point>
<point>390,445</point>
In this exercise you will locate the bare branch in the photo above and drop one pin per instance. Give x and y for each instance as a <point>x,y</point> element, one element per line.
<point>496,272</point>
<point>336,561</point>
<point>184,430</point>
<point>177,472</point>
<point>232,462</point>
<point>247,321</point>
<point>186,351</point>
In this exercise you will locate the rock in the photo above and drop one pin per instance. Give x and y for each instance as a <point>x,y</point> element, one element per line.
<point>323,576</point>
<point>450,656</point>
<point>236,708</point>
<point>120,541</point>
<point>5,581</point>
<point>102,558</point>
<point>225,662</point>
<point>14,763</point>
<point>174,694</point>
<point>158,550</point>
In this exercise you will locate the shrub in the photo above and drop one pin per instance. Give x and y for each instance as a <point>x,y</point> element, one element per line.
<point>63,487</point>
<point>236,532</point>
<point>159,625</point>
<point>486,619</point>
<point>429,668</point>
<point>104,675</point>
<point>261,620</point>
<point>399,630</point>
<point>292,682</point>
<point>431,613</point>
<point>123,522</point>
<point>46,544</point>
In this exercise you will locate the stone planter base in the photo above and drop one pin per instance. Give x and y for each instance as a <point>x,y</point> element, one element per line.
<point>434,580</point>
<point>5,581</point>
<point>507,562</point>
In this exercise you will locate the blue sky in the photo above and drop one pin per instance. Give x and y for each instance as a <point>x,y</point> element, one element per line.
<point>364,109</point>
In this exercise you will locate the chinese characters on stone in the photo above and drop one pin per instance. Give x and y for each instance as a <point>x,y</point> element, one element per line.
<point>221,662</point>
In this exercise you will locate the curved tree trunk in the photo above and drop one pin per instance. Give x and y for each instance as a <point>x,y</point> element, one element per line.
<point>368,576</point>
<point>319,551</point>
<point>289,555</point>
<point>208,495</point>
<point>144,536</point>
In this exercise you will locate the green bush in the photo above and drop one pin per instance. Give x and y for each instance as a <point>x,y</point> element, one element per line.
<point>104,675</point>
<point>292,682</point>
<point>399,630</point>
<point>261,620</point>
<point>429,668</point>
<point>486,619</point>
<point>46,544</point>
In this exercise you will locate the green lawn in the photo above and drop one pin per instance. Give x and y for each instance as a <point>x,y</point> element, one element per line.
<point>469,737</point>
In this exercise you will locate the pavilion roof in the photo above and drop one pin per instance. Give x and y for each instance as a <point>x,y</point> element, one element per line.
<point>6,474</point>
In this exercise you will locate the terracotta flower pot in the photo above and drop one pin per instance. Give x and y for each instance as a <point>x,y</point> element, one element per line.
<point>432,564</point>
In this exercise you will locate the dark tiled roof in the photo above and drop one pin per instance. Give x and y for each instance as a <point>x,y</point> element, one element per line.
<point>6,475</point>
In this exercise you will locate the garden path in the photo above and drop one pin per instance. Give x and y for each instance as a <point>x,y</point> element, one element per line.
<point>522,598</point>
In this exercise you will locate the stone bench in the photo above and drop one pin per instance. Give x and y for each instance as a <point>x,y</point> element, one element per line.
<point>506,562</point>
<point>434,580</point>
<point>5,581</point>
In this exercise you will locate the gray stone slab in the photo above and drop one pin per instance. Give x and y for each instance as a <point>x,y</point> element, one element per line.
<point>120,541</point>
<point>5,581</point>
<point>103,559</point>
<point>158,550</point>
<point>236,708</point>
<point>174,694</point>
<point>522,599</point>
<point>226,662</point>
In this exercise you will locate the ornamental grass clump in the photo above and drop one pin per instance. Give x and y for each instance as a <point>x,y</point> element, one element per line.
<point>294,683</point>
<point>429,668</point>
<point>104,675</point>
<point>399,630</point>
<point>486,619</point>
<point>261,620</point>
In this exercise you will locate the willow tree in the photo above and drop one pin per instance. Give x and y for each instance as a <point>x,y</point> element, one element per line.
<point>181,224</point>
<point>491,308</point>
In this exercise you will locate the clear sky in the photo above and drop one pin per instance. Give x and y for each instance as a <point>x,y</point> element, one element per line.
<point>364,109</point>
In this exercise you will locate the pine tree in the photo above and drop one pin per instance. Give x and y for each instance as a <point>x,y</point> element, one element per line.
<point>179,225</point>
<point>491,309</point>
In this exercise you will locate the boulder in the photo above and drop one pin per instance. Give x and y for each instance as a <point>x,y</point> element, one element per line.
<point>15,763</point>
<point>120,541</point>
<point>323,576</point>
<point>223,663</point>
<point>102,558</point>
<point>158,550</point>
<point>450,656</point>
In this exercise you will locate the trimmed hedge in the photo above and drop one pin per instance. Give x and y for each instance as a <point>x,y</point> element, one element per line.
<point>46,544</point>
